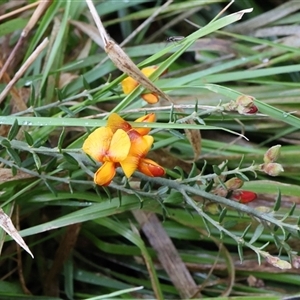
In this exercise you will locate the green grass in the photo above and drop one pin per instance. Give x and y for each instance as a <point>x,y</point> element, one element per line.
<point>86,241</point>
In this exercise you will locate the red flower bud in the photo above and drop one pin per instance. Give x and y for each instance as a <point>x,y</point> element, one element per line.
<point>244,196</point>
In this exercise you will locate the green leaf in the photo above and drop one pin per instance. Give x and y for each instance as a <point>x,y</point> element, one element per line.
<point>242,176</point>
<point>174,197</point>
<point>222,215</point>
<point>70,159</point>
<point>51,165</point>
<point>5,143</point>
<point>85,83</point>
<point>206,226</point>
<point>217,170</point>
<point>14,129</point>
<point>241,162</point>
<point>277,203</point>
<point>257,233</point>
<point>12,26</point>
<point>28,138</point>
<point>14,156</point>
<point>61,139</point>
<point>180,171</point>
<point>67,111</point>
<point>14,170</point>
<point>162,190</point>
<point>194,171</point>
<point>240,252</point>
<point>245,231</point>
<point>50,187</point>
<point>32,101</point>
<point>37,161</point>
<point>60,94</point>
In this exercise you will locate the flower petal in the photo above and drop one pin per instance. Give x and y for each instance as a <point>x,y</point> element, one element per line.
<point>150,98</point>
<point>97,143</point>
<point>119,146</point>
<point>149,70</point>
<point>145,119</point>
<point>129,165</point>
<point>115,122</point>
<point>105,174</point>
<point>128,85</point>
<point>150,168</point>
<point>140,145</point>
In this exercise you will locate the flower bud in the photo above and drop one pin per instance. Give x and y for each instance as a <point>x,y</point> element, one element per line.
<point>245,105</point>
<point>277,262</point>
<point>150,98</point>
<point>234,183</point>
<point>272,154</point>
<point>220,191</point>
<point>212,208</point>
<point>150,168</point>
<point>272,169</point>
<point>244,196</point>
<point>247,110</point>
<point>244,100</point>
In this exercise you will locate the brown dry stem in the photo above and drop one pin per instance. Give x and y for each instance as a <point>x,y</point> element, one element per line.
<point>166,253</point>
<point>33,20</point>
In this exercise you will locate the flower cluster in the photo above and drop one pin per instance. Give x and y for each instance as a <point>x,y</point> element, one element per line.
<point>269,166</point>
<point>119,144</point>
<point>244,104</point>
<point>234,185</point>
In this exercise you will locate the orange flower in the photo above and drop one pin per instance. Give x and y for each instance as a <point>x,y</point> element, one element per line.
<point>129,84</point>
<point>150,168</point>
<point>118,144</point>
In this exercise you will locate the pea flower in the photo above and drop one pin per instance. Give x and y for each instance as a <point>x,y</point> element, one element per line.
<point>129,84</point>
<point>119,144</point>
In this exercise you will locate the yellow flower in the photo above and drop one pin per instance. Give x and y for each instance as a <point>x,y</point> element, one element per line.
<point>118,144</point>
<point>129,84</point>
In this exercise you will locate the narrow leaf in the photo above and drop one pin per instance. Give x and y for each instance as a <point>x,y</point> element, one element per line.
<point>37,161</point>
<point>60,95</point>
<point>277,204</point>
<point>246,231</point>
<point>257,233</point>
<point>242,176</point>
<point>206,226</point>
<point>5,143</point>
<point>240,251</point>
<point>85,83</point>
<point>70,159</point>
<point>14,129</point>
<point>222,215</point>
<point>14,156</point>
<point>61,139</point>
<point>28,138</point>
<point>51,187</point>
<point>217,170</point>
<point>67,111</point>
